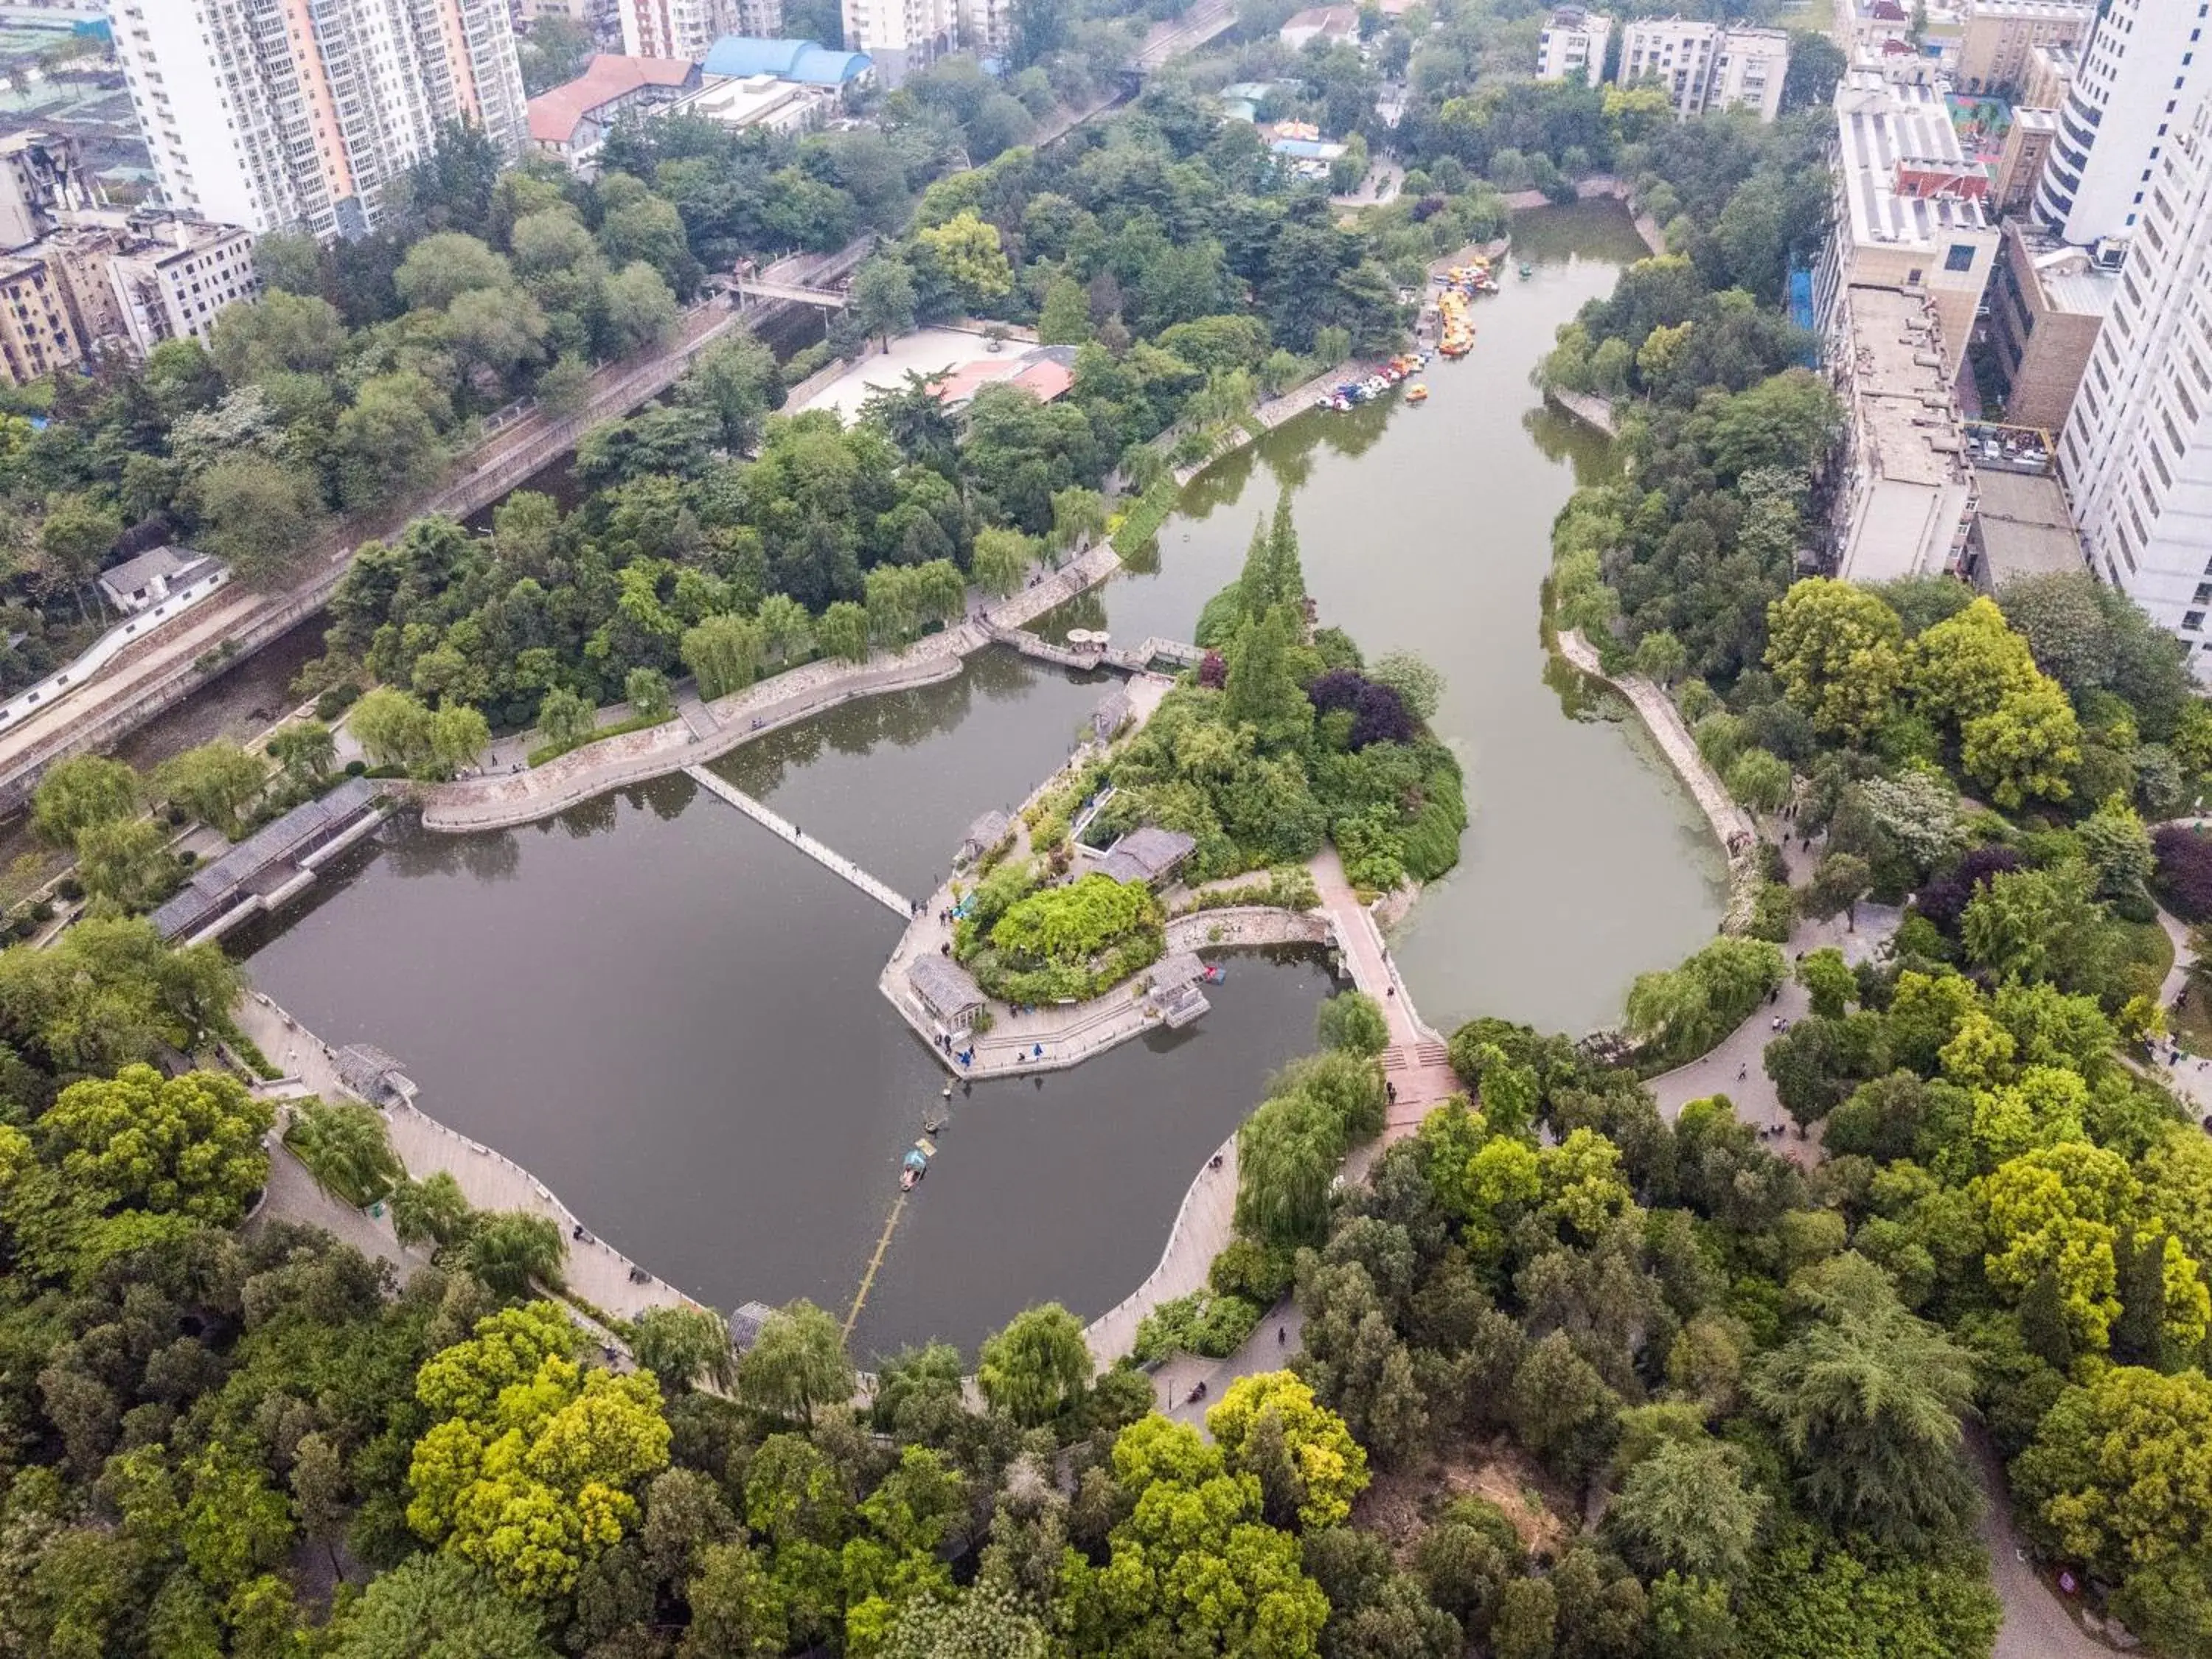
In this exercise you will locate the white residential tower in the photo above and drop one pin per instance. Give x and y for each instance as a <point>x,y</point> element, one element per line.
<point>2136,457</point>
<point>280,113</point>
<point>2140,79</point>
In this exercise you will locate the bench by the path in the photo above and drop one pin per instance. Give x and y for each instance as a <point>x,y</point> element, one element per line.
<point>837,862</point>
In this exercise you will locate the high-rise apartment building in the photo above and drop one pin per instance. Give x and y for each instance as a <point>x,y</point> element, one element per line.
<point>688,28</point>
<point>2137,458</point>
<point>1749,72</point>
<point>1673,53</point>
<point>1701,66</point>
<point>902,35</point>
<point>1572,45</point>
<point>2140,79</point>
<point>280,113</point>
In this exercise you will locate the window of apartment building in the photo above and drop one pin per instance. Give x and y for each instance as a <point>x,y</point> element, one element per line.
<point>2191,621</point>
<point>1959,258</point>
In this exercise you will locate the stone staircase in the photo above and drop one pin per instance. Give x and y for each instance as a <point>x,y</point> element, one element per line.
<point>1421,1073</point>
<point>1415,1056</point>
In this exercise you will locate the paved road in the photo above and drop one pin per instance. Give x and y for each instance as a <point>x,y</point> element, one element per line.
<point>1269,1348</point>
<point>294,1196</point>
<point>2037,1625</point>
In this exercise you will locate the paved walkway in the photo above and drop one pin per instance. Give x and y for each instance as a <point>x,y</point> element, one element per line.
<point>594,1270</point>
<point>1732,826</point>
<point>784,828</point>
<point>1274,1339</point>
<point>1416,1063</point>
<point>1203,1226</point>
<point>1737,1066</point>
<point>1591,410</point>
<point>293,1195</point>
<point>2036,1624</point>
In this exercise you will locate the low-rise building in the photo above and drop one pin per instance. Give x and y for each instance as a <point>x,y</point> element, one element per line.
<point>1905,492</point>
<point>1912,209</point>
<point>1998,39</point>
<point>38,336</point>
<point>1148,853</point>
<point>2021,528</point>
<point>40,179</point>
<point>142,582</point>
<point>1330,25</point>
<point>1572,45</point>
<point>947,990</point>
<point>571,121</point>
<point>172,276</point>
<point>986,834</point>
<point>2047,303</point>
<point>2020,164</point>
<point>757,100</point>
<point>809,63</point>
<point>270,866</point>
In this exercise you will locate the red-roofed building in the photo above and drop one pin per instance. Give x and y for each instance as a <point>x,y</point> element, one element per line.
<point>572,121</point>
<point>1045,381</point>
<point>1038,371</point>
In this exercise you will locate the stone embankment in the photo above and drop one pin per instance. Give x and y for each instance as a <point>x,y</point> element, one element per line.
<point>502,800</point>
<point>1731,825</point>
<point>1592,412</point>
<point>489,1180</point>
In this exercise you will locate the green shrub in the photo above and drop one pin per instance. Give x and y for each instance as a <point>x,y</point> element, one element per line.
<point>1430,842</point>
<point>1202,1323</point>
<point>1247,1268</point>
<point>1773,913</point>
<point>1063,943</point>
<point>547,751</point>
<point>1143,520</point>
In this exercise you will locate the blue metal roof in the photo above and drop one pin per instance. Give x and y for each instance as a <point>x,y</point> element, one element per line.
<point>809,62</point>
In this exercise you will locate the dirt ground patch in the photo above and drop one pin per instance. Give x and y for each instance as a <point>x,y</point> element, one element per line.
<point>1402,1504</point>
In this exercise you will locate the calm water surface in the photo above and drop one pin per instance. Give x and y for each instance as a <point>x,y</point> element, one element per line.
<point>672,1017</point>
<point>1428,529</point>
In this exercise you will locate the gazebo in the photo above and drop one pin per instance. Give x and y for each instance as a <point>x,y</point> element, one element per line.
<point>746,1324</point>
<point>1111,714</point>
<point>947,990</point>
<point>373,1075</point>
<point>1149,854</point>
<point>1172,982</point>
<point>1177,968</point>
<point>986,833</point>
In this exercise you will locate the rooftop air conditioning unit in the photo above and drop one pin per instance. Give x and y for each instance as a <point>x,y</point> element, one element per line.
<point>2109,253</point>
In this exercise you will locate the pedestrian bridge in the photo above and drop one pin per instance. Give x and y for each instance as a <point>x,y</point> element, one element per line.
<point>760,288</point>
<point>882,892</point>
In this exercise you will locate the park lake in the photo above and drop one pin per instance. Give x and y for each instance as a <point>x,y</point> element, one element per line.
<point>670,1017</point>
